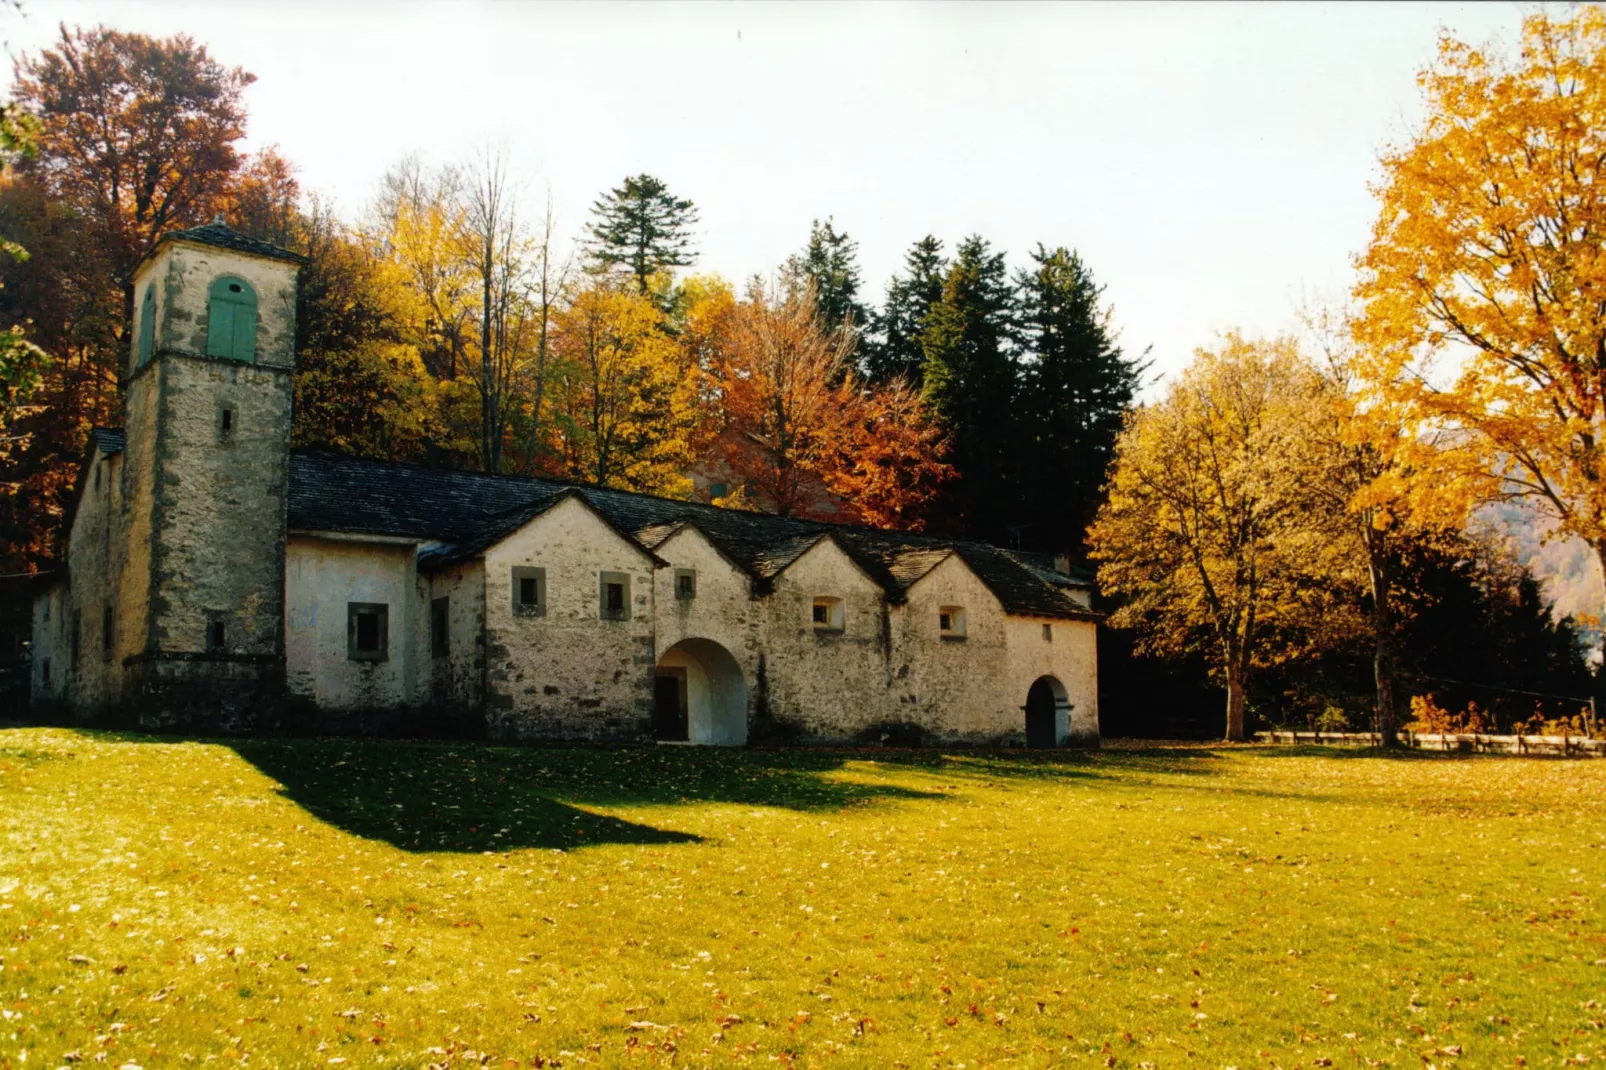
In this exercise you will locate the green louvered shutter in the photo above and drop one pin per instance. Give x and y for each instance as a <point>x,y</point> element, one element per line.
<point>231,326</point>
<point>147,325</point>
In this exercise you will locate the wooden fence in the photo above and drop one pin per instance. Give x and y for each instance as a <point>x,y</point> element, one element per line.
<point>1454,742</point>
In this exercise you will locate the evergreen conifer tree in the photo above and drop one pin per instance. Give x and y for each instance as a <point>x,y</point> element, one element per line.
<point>1076,387</point>
<point>831,261</point>
<point>643,228</point>
<point>969,386</point>
<point>894,348</point>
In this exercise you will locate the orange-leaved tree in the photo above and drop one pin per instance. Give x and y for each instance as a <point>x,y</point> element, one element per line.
<point>801,427</point>
<point>1483,290</point>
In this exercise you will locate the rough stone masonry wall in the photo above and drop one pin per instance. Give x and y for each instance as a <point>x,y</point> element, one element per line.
<point>183,275</point>
<point>829,684</point>
<point>92,682</point>
<point>568,674</point>
<point>955,688</point>
<point>216,499</point>
<point>457,680</point>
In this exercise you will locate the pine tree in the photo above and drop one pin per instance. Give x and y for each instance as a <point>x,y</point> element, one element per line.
<point>969,386</point>
<point>893,348</point>
<point>831,261</point>
<point>1076,389</point>
<point>642,227</point>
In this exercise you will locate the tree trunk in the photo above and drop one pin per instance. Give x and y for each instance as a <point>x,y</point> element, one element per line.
<point>1384,659</point>
<point>1235,701</point>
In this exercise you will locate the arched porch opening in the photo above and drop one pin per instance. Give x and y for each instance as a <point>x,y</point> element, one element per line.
<point>700,695</point>
<point>1048,713</point>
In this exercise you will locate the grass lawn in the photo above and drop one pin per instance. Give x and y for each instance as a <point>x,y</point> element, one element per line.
<point>313,903</point>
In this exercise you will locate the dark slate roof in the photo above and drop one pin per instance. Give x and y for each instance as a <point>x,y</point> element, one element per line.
<point>468,512</point>
<point>221,234</point>
<point>108,440</point>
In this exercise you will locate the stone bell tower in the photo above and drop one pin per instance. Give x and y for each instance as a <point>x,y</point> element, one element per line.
<point>207,461</point>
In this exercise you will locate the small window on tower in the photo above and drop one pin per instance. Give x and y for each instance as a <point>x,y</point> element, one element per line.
<point>367,631</point>
<point>225,422</point>
<point>97,479</point>
<point>615,591</point>
<point>107,635</point>
<point>77,635</point>
<point>49,598</point>
<point>529,591</point>
<point>685,583</point>
<point>44,672</point>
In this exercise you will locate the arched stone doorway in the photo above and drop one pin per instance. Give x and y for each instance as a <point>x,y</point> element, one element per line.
<point>700,695</point>
<point>1048,713</point>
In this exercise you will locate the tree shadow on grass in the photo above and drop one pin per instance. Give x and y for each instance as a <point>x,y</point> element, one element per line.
<point>471,797</point>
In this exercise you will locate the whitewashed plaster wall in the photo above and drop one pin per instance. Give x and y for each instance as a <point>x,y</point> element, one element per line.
<point>1070,655</point>
<point>322,576</point>
<point>954,687</point>
<point>832,684</point>
<point>722,611</point>
<point>568,673</point>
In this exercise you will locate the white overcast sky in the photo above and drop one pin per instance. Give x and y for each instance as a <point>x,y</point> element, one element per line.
<point>1211,162</point>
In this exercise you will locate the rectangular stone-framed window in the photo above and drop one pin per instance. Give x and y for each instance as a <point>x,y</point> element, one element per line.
<point>613,595</point>
<point>827,614</point>
<point>217,632</point>
<point>685,583</point>
<point>440,627</point>
<point>951,622</point>
<point>529,591</point>
<point>226,421</point>
<point>367,631</point>
<point>108,633</point>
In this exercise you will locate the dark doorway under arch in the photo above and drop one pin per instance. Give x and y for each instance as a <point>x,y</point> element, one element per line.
<point>701,696</point>
<point>1047,713</point>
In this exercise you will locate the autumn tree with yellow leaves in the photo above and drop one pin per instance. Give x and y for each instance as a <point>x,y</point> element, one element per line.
<point>1483,290</point>
<point>624,410</point>
<point>1212,532</point>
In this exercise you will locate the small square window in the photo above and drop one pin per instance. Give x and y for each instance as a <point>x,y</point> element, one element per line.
<point>439,627</point>
<point>217,634</point>
<point>615,596</point>
<point>827,614</point>
<point>718,490</point>
<point>685,583</point>
<point>951,622</point>
<point>529,591</point>
<point>367,631</point>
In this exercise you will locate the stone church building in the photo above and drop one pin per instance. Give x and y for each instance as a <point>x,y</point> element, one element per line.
<point>214,577</point>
